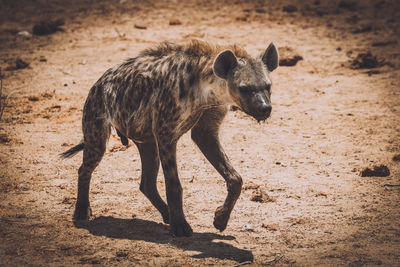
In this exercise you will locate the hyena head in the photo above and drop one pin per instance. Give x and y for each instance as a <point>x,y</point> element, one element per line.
<point>248,81</point>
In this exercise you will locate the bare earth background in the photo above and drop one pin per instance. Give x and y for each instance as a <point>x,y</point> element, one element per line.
<point>329,121</point>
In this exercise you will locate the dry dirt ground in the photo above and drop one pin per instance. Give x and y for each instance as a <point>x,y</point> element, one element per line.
<point>330,120</point>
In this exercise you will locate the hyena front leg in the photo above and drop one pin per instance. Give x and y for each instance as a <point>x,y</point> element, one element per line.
<point>205,135</point>
<point>178,223</point>
<point>148,184</point>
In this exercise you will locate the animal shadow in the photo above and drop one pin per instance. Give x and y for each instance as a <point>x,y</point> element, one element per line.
<point>138,229</point>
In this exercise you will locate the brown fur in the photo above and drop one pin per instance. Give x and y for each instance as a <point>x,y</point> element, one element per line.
<point>195,48</point>
<point>156,97</point>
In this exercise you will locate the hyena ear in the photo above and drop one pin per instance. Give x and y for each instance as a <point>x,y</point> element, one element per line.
<point>224,63</point>
<point>271,57</point>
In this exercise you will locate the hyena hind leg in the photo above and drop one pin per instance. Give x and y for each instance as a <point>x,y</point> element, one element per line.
<point>93,151</point>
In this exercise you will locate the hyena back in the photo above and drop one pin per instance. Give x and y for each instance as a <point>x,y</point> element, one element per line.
<point>154,98</point>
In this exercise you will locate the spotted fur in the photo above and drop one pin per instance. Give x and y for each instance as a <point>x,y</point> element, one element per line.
<point>154,98</point>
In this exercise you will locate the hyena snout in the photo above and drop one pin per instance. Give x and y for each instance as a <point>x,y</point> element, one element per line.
<point>265,110</point>
<point>260,107</point>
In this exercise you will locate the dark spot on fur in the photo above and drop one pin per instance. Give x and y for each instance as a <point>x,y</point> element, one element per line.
<point>192,79</point>
<point>166,78</point>
<point>154,72</point>
<point>170,64</point>
<point>120,97</point>
<point>175,117</point>
<point>189,68</point>
<point>174,67</point>
<point>182,91</point>
<point>128,79</point>
<point>99,124</point>
<point>173,83</point>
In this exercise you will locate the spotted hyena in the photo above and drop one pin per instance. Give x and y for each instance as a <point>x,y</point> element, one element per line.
<point>156,97</point>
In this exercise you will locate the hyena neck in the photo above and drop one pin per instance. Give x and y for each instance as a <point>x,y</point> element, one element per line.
<point>194,61</point>
<point>215,92</point>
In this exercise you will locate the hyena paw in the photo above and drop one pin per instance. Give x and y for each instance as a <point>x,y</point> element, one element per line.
<point>179,229</point>
<point>82,213</point>
<point>221,218</point>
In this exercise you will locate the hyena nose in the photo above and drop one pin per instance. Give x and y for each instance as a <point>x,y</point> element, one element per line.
<point>265,109</point>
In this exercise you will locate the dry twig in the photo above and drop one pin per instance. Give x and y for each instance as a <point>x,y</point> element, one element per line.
<point>392,185</point>
<point>243,263</point>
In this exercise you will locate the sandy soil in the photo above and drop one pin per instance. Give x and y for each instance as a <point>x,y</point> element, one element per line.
<point>329,121</point>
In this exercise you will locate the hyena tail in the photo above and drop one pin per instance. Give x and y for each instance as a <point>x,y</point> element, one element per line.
<point>72,151</point>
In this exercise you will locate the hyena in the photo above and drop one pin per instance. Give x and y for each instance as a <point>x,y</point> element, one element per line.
<point>156,97</point>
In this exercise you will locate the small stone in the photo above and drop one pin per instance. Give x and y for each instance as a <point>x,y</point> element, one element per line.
<point>140,27</point>
<point>250,185</point>
<point>396,157</point>
<point>300,220</point>
<point>174,22</point>
<point>4,139</point>
<point>24,34</point>
<point>122,254</point>
<point>365,28</point>
<point>375,171</point>
<point>33,98</point>
<point>346,4</point>
<point>248,228</point>
<point>365,61</point>
<point>288,57</point>
<point>46,27</point>
<point>372,72</point>
<point>289,8</point>
<point>271,227</point>
<point>262,197</point>
<point>241,18</point>
<point>321,194</point>
<point>20,64</point>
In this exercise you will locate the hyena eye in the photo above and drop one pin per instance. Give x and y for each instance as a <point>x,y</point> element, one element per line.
<point>244,90</point>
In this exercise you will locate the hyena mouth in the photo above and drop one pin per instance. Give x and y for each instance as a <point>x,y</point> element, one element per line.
<point>261,118</point>
<point>258,117</point>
